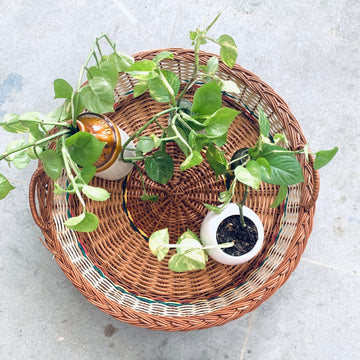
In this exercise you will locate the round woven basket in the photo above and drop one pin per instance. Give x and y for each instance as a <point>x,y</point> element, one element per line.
<point>113,267</point>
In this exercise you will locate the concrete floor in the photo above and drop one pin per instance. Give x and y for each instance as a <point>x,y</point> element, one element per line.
<point>308,51</point>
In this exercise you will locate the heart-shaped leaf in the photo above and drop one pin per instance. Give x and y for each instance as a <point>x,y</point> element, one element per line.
<point>228,50</point>
<point>285,168</point>
<point>218,123</point>
<point>52,163</point>
<point>85,148</point>
<point>98,96</point>
<point>143,70</point>
<point>322,157</point>
<point>207,99</point>
<point>193,159</point>
<point>280,197</point>
<point>157,240</point>
<point>249,175</point>
<point>158,91</point>
<point>5,187</point>
<point>264,123</point>
<point>95,193</point>
<point>85,222</point>
<point>121,61</point>
<point>216,160</point>
<point>62,89</point>
<point>159,167</point>
<point>106,70</point>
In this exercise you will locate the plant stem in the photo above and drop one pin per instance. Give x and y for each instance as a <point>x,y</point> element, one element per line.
<point>220,246</point>
<point>241,206</point>
<point>35,143</point>
<point>176,131</point>
<point>195,71</point>
<point>137,133</point>
<point>74,101</point>
<point>67,164</point>
<point>141,178</point>
<point>41,122</point>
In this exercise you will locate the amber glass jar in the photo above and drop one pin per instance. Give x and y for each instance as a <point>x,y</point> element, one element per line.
<point>109,165</point>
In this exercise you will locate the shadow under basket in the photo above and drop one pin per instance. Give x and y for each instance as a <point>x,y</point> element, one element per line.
<point>113,266</point>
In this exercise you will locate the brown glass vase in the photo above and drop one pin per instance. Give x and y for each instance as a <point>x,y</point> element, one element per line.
<point>109,166</point>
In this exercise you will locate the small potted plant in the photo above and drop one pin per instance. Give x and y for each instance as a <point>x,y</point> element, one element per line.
<point>75,137</point>
<point>266,161</point>
<point>232,233</point>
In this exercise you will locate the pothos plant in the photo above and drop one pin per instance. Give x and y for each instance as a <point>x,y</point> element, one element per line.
<point>55,139</point>
<point>268,161</point>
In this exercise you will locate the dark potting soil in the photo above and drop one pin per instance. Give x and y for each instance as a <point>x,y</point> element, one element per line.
<point>244,238</point>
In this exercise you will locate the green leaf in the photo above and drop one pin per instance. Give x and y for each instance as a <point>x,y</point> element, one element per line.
<point>280,197</point>
<point>163,55</point>
<point>52,163</point>
<point>60,114</point>
<point>192,35</point>
<point>285,168</point>
<point>213,208</point>
<point>230,86</point>
<point>216,160</point>
<point>13,125</point>
<point>20,159</point>
<point>212,65</point>
<point>323,157</point>
<point>188,234</point>
<point>145,144</point>
<point>62,89</point>
<point>193,159</point>
<point>140,88</point>
<point>264,165</point>
<point>228,50</point>
<point>157,141</point>
<point>156,242</point>
<point>87,173</point>
<point>95,193</point>
<point>152,198</point>
<point>207,99</point>
<point>58,190</point>
<point>5,187</point>
<point>85,148</point>
<point>280,137</point>
<point>143,70</point>
<point>159,91</point>
<point>106,70</point>
<point>249,175</point>
<point>264,123</point>
<point>98,96</point>
<point>225,196</point>
<point>189,258</point>
<point>85,222</point>
<point>159,167</point>
<point>218,123</point>
<point>170,132</point>
<point>198,141</point>
<point>121,61</point>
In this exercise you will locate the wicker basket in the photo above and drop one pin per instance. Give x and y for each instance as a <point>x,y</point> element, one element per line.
<point>113,267</point>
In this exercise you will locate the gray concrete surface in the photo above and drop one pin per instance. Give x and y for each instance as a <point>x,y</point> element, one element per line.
<point>308,51</point>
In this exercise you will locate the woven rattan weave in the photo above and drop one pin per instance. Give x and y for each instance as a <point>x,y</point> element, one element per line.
<point>113,267</point>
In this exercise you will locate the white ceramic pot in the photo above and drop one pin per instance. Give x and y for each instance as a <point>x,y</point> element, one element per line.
<point>209,228</point>
<point>119,169</point>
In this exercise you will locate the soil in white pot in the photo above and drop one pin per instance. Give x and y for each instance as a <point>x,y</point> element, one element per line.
<point>244,238</point>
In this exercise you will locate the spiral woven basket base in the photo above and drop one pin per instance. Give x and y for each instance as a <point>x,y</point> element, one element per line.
<point>113,266</point>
